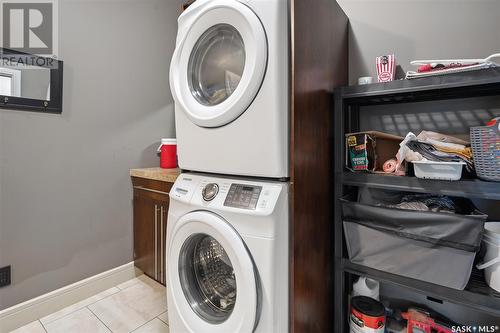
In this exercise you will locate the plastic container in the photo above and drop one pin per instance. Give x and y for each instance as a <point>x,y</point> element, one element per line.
<point>491,263</point>
<point>168,153</point>
<point>367,315</point>
<point>492,229</point>
<point>366,287</point>
<point>438,170</point>
<point>485,142</point>
<point>439,248</point>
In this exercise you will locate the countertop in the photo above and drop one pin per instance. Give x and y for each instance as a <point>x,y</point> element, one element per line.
<point>164,175</point>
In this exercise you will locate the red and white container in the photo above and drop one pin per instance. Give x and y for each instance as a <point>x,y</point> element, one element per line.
<point>386,68</point>
<point>367,315</point>
<point>168,153</point>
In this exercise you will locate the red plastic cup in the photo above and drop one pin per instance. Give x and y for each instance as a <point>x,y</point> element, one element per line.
<point>168,153</point>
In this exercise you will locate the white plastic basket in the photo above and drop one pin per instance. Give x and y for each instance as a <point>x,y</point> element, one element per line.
<point>438,170</point>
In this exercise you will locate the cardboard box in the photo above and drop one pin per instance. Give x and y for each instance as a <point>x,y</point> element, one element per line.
<point>368,151</point>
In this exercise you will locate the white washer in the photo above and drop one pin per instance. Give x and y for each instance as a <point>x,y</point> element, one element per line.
<point>229,80</point>
<point>227,255</point>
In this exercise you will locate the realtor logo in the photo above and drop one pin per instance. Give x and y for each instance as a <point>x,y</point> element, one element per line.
<point>29,27</point>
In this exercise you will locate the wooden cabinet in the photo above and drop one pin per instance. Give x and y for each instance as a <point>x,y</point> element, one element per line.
<point>150,226</point>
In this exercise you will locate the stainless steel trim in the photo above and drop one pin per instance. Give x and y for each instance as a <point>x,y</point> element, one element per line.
<point>156,242</point>
<point>150,190</point>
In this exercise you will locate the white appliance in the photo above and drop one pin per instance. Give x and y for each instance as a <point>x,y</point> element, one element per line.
<point>227,255</point>
<point>229,80</point>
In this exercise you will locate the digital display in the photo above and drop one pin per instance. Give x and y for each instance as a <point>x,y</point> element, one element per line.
<point>243,196</point>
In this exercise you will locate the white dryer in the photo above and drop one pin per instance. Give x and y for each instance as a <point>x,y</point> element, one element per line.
<point>229,80</point>
<point>227,255</point>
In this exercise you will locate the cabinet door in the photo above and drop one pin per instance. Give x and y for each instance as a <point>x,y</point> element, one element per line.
<point>145,214</point>
<point>151,203</point>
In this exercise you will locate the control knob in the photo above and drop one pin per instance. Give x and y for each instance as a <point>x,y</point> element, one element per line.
<point>210,191</point>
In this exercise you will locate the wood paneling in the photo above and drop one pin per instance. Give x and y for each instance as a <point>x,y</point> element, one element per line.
<point>318,65</point>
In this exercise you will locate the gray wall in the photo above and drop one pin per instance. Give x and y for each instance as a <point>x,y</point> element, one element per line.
<point>65,193</point>
<point>419,29</point>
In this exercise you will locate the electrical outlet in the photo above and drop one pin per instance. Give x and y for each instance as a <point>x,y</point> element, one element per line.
<point>4,276</point>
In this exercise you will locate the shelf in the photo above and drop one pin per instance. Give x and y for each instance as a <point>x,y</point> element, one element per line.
<point>458,85</point>
<point>476,295</point>
<point>469,188</point>
<point>348,114</point>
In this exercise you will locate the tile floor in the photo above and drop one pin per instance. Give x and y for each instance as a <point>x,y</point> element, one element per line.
<point>138,305</point>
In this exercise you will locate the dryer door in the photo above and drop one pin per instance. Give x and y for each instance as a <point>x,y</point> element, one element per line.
<point>219,62</point>
<point>211,276</point>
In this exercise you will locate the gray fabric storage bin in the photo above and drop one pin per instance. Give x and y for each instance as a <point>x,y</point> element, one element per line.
<point>434,247</point>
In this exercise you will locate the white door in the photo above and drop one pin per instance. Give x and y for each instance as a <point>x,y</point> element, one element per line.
<point>211,276</point>
<point>219,62</point>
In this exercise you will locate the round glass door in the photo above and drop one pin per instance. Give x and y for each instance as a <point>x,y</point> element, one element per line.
<point>219,62</point>
<point>207,278</point>
<point>216,64</point>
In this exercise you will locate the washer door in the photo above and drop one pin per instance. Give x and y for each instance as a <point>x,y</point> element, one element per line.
<point>212,277</point>
<point>219,65</point>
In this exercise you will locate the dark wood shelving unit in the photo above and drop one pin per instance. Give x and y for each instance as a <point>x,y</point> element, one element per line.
<point>349,105</point>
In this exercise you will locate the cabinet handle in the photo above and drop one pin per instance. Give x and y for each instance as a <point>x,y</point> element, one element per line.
<point>162,264</point>
<point>156,242</point>
<point>150,190</point>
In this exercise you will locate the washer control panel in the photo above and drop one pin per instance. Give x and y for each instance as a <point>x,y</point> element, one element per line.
<point>248,197</point>
<point>243,196</point>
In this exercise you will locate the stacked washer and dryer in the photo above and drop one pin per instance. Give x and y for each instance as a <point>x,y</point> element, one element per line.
<point>228,222</point>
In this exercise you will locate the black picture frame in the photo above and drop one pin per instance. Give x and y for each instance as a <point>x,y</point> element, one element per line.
<point>56,85</point>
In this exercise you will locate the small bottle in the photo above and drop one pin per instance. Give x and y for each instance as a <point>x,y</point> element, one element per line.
<point>366,287</point>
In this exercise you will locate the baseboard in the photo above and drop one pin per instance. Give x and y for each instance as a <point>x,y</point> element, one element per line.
<point>26,312</point>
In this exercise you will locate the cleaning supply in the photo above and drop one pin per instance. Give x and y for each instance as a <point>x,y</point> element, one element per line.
<point>367,315</point>
<point>421,321</point>
<point>366,287</point>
